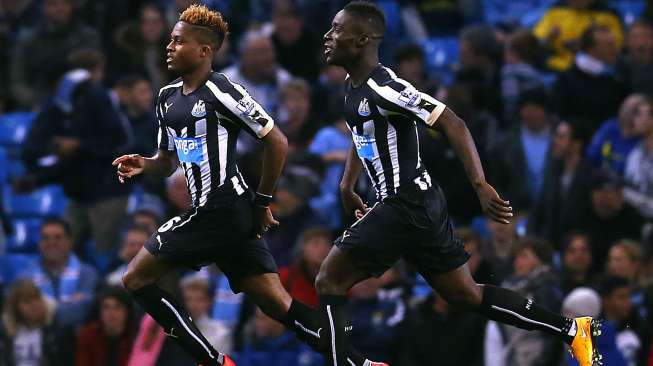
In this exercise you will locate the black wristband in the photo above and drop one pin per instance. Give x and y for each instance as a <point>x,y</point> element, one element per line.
<point>262,200</point>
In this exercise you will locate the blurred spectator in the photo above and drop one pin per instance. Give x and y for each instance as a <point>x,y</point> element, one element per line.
<point>73,141</point>
<point>298,278</point>
<point>296,186</point>
<point>436,17</point>
<point>108,341</point>
<point>610,218</point>
<point>258,71</point>
<point>502,241</point>
<point>616,137</point>
<point>562,26</point>
<point>147,219</point>
<point>27,334</point>
<point>61,276</point>
<point>377,314</point>
<point>639,163</point>
<point>479,265</point>
<point>534,278</point>
<point>625,260</point>
<point>134,239</point>
<point>197,299</point>
<point>295,114</point>
<point>633,333</point>
<point>40,53</point>
<point>637,63</point>
<point>332,144</point>
<point>424,341</point>
<point>593,70</point>
<point>411,66</point>
<point>140,47</point>
<point>268,343</point>
<point>520,161</point>
<point>563,197</point>
<point>518,73</point>
<point>329,92</point>
<point>585,301</point>
<point>297,48</point>
<point>177,193</point>
<point>576,262</point>
<point>138,101</point>
<point>480,61</point>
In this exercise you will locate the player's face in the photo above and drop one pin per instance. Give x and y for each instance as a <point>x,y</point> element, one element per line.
<point>183,53</point>
<point>340,41</point>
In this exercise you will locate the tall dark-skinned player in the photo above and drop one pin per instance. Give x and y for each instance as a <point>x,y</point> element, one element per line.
<point>200,116</point>
<point>409,219</point>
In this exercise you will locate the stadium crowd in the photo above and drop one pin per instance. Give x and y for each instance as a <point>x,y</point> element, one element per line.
<point>557,94</point>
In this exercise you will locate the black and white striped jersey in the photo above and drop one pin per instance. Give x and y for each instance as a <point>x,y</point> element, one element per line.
<point>202,127</point>
<point>382,114</point>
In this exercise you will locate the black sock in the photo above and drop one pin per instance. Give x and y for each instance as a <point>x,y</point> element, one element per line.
<point>306,323</point>
<point>177,323</point>
<point>509,307</point>
<point>335,317</point>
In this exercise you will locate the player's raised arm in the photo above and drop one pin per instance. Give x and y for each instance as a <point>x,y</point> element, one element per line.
<point>461,139</point>
<point>350,200</point>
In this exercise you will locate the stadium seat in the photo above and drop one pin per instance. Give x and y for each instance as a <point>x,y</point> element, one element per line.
<point>13,266</point>
<point>14,127</point>
<point>4,167</point>
<point>441,55</point>
<point>392,12</point>
<point>46,201</point>
<point>25,236</point>
<point>629,10</point>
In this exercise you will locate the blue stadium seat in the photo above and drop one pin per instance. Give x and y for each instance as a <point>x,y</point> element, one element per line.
<point>4,166</point>
<point>13,266</point>
<point>392,12</point>
<point>441,54</point>
<point>630,10</point>
<point>25,236</point>
<point>14,127</point>
<point>46,201</point>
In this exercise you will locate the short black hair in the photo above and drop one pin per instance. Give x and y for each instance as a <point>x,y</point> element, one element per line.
<point>483,41</point>
<point>55,220</point>
<point>610,284</point>
<point>368,11</point>
<point>129,80</point>
<point>536,96</point>
<point>409,52</point>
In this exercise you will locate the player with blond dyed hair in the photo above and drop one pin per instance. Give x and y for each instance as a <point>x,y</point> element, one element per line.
<point>200,116</point>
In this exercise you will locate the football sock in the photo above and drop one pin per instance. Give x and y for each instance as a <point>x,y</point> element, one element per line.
<point>335,318</point>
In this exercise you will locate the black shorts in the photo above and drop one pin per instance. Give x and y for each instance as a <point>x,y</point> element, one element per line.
<point>223,235</point>
<point>414,226</point>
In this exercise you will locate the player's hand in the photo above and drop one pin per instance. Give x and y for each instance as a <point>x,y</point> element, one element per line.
<point>493,206</point>
<point>263,220</point>
<point>129,166</point>
<point>353,203</point>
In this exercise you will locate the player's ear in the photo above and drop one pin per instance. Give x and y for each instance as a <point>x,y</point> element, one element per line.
<point>362,40</point>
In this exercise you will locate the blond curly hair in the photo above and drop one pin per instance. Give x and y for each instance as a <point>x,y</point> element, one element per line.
<point>215,27</point>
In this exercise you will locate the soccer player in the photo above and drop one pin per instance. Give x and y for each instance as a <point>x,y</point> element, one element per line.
<point>200,116</point>
<point>410,218</point>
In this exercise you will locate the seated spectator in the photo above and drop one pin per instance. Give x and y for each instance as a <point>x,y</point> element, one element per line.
<point>503,239</point>
<point>332,144</point>
<point>138,102</point>
<point>423,340</point>
<point>563,197</point>
<point>411,66</point>
<point>519,162</point>
<point>140,48</point>
<point>197,299</point>
<point>639,163</point>
<point>27,333</point>
<point>625,260</point>
<point>329,92</point>
<point>576,262</point>
<point>147,219</point>
<point>108,340</point>
<point>585,301</point>
<point>518,73</point>
<point>259,72</point>
<point>39,53</point>
<point>616,137</point>
<point>480,266</point>
<point>268,343</point>
<point>593,70</point>
<point>133,240</point>
<point>562,26</point>
<point>633,332</point>
<point>295,114</point>
<point>62,276</point>
<point>637,63</point>
<point>611,218</point>
<point>534,278</point>
<point>298,278</point>
<point>177,193</point>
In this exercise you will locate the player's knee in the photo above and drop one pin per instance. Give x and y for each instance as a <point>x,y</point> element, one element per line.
<point>132,281</point>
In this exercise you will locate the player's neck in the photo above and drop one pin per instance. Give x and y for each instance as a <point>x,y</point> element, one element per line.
<point>195,79</point>
<point>361,69</point>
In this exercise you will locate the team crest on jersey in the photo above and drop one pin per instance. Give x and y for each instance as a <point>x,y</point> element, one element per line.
<point>364,108</point>
<point>411,97</point>
<point>199,110</point>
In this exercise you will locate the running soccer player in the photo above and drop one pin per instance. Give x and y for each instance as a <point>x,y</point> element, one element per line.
<point>409,219</point>
<point>200,116</point>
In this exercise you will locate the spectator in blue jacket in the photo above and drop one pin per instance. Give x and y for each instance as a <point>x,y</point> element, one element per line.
<point>62,276</point>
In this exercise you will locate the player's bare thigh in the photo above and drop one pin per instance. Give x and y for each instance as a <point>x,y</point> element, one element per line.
<point>144,269</point>
<point>338,274</point>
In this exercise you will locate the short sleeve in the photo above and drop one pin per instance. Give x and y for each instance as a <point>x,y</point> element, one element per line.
<point>165,140</point>
<point>241,107</point>
<point>398,96</point>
